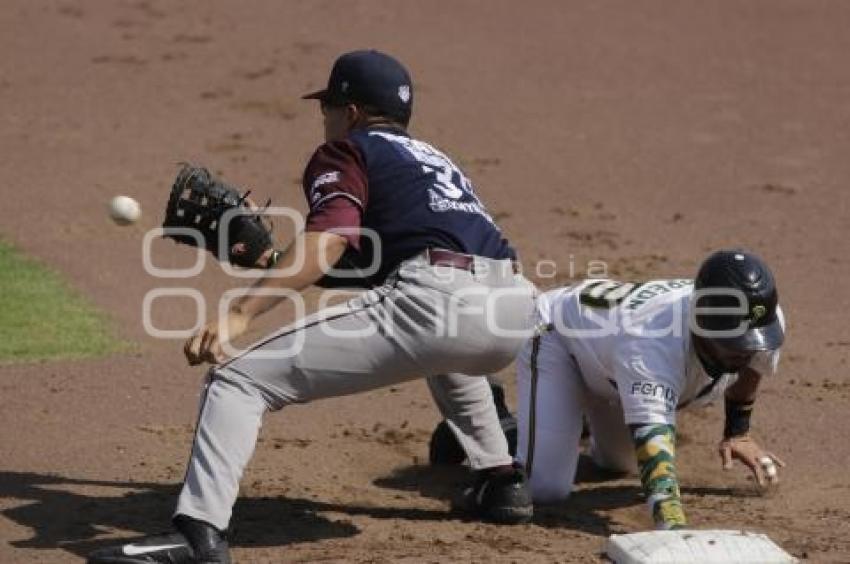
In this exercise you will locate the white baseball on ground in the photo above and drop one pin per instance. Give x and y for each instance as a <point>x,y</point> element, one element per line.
<point>769,466</point>
<point>124,210</point>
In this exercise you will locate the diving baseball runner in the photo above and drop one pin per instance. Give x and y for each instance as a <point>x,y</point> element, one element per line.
<point>445,302</point>
<point>628,356</point>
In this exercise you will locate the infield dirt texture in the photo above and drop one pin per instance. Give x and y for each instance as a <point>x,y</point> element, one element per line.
<point>640,134</point>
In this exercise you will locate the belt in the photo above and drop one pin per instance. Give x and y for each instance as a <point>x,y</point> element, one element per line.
<point>445,257</point>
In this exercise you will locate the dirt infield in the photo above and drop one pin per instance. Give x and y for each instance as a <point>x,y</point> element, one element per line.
<point>642,135</point>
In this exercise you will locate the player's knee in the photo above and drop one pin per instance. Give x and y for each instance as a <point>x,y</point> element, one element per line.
<point>239,382</point>
<point>222,375</point>
<point>280,380</point>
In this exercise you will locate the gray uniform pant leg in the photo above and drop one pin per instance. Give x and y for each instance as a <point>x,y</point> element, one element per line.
<point>465,402</point>
<point>415,326</point>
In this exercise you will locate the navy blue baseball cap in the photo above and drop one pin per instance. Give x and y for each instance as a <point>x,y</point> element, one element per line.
<point>372,79</point>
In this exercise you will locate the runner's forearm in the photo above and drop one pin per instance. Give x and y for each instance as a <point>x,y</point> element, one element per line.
<point>655,446</point>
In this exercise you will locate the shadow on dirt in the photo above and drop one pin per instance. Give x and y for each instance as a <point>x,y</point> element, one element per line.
<point>584,511</point>
<point>599,492</point>
<point>442,482</point>
<point>61,517</point>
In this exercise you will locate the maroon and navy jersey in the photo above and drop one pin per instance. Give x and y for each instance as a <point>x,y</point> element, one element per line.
<point>392,197</point>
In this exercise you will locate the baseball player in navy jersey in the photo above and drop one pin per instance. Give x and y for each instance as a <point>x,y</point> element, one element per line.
<point>445,302</point>
<point>628,356</point>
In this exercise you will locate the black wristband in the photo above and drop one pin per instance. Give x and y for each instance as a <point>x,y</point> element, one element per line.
<point>737,418</point>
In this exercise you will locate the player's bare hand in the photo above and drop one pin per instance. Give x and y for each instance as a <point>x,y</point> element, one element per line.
<point>763,464</point>
<point>206,344</point>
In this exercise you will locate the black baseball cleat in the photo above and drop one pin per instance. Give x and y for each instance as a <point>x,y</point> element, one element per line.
<point>196,542</point>
<point>499,495</point>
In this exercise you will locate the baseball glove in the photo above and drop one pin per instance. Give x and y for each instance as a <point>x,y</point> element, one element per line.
<point>199,201</point>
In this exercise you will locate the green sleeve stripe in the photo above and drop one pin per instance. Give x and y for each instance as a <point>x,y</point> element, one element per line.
<point>644,433</point>
<point>650,465</point>
<point>655,446</point>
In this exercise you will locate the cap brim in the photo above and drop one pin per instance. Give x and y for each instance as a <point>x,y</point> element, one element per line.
<point>769,337</point>
<point>317,95</point>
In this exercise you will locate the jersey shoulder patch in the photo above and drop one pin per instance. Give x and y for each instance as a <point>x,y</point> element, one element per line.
<point>336,170</point>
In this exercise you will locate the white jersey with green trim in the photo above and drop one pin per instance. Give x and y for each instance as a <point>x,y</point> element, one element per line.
<point>631,342</point>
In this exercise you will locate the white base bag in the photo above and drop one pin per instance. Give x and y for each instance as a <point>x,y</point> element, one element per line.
<point>694,546</point>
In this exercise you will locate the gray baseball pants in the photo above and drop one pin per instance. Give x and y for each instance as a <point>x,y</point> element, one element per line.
<point>445,324</point>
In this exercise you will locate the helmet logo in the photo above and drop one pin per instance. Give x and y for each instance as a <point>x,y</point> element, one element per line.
<point>404,93</point>
<point>759,311</point>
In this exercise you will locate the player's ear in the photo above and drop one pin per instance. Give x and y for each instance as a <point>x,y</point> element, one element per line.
<point>353,115</point>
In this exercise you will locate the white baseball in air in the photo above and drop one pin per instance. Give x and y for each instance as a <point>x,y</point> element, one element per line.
<point>124,210</point>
